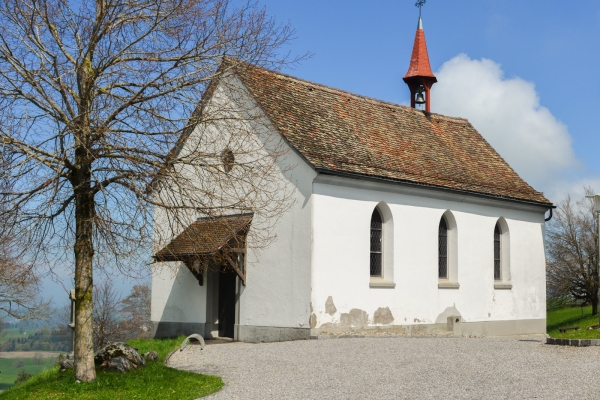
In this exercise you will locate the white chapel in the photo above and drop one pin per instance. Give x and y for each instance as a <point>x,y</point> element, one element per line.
<point>402,221</point>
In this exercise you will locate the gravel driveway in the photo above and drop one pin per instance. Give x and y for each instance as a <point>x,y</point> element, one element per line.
<point>398,367</point>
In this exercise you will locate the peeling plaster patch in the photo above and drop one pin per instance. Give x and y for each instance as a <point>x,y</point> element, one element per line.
<point>356,318</point>
<point>359,318</point>
<point>345,320</point>
<point>329,306</point>
<point>383,316</point>
<point>448,312</point>
<point>313,321</point>
<point>327,325</point>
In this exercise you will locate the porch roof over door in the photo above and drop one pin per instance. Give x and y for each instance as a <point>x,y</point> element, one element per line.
<point>206,236</point>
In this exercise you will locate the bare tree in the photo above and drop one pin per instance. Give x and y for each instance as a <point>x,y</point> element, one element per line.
<point>572,252</point>
<point>106,314</point>
<point>96,100</point>
<point>135,313</point>
<point>19,286</point>
<point>38,359</point>
<point>2,327</point>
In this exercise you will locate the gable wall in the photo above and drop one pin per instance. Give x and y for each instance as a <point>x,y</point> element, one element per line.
<point>277,293</point>
<point>341,254</point>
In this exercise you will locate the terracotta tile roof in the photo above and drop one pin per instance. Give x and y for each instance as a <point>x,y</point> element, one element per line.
<point>419,60</point>
<point>341,132</point>
<point>205,236</point>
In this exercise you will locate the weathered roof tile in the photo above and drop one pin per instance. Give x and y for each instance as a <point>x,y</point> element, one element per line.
<point>338,131</point>
<point>205,236</point>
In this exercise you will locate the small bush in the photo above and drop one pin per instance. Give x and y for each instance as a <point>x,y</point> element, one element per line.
<point>38,359</point>
<point>22,376</point>
<point>19,364</point>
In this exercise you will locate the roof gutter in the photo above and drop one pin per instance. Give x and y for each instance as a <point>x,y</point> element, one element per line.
<point>423,185</point>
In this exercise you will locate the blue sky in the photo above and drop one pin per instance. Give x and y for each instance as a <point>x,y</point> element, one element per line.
<point>364,47</point>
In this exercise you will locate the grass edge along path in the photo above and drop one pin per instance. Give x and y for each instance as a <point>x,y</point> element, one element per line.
<point>569,317</point>
<point>154,381</point>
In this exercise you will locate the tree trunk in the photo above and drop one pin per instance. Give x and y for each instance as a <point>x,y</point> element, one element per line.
<point>84,253</point>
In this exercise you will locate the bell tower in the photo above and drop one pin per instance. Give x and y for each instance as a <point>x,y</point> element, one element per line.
<point>419,77</point>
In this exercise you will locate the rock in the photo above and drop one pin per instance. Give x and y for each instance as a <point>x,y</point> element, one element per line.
<point>118,349</point>
<point>151,356</point>
<point>119,364</point>
<point>66,364</point>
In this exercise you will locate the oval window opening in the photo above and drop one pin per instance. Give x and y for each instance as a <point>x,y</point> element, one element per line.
<point>227,159</point>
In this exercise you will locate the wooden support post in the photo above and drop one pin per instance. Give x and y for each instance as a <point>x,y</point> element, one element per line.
<point>236,268</point>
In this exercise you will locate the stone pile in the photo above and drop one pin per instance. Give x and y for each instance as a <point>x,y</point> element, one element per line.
<point>118,356</point>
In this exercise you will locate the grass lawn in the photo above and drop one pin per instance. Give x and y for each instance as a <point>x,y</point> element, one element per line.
<point>8,372</point>
<point>571,316</point>
<point>154,381</point>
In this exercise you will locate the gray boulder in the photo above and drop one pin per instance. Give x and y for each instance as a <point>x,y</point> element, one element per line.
<point>119,364</point>
<point>65,364</point>
<point>118,349</point>
<point>151,356</point>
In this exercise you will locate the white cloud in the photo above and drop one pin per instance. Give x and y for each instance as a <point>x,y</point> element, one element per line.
<point>507,112</point>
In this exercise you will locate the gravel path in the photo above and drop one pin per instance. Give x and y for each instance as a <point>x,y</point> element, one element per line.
<point>399,367</point>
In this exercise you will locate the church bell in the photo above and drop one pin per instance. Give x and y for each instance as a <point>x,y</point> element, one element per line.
<point>420,99</point>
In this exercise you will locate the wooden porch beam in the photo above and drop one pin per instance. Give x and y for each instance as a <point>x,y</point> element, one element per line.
<point>236,268</point>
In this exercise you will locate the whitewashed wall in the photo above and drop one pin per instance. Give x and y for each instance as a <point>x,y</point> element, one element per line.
<point>341,218</point>
<point>176,295</point>
<point>278,281</point>
<point>278,277</point>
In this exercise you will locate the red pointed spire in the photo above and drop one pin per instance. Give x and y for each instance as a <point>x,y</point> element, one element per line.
<point>419,71</point>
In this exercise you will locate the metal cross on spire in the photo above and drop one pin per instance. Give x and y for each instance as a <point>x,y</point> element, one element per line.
<point>420,4</point>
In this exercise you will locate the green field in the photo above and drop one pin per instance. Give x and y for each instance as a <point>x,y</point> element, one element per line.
<point>8,373</point>
<point>569,317</point>
<point>154,381</point>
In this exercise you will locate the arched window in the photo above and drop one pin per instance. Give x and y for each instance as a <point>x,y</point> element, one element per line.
<point>376,243</point>
<point>502,255</point>
<point>443,249</point>
<point>497,253</point>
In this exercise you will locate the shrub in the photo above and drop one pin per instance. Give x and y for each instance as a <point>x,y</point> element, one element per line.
<point>22,376</point>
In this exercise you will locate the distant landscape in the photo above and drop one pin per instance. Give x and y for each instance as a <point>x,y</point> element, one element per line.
<point>44,339</point>
<point>30,346</point>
